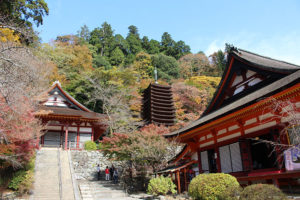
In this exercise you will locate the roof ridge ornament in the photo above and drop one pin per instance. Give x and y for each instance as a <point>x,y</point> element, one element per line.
<point>56,82</point>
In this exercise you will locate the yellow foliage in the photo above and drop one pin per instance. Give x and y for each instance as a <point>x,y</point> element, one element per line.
<point>208,83</point>
<point>8,35</point>
<point>202,81</point>
<point>142,65</point>
<point>56,76</point>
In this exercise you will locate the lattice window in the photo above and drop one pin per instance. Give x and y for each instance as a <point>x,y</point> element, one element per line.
<point>230,157</point>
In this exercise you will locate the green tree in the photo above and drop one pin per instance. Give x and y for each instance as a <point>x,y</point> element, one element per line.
<point>121,43</point>
<point>167,67</point>
<point>145,43</point>
<point>103,39</point>
<point>167,44</point>
<point>218,61</point>
<point>133,30</point>
<point>181,49</point>
<point>24,11</point>
<point>133,40</point>
<point>101,61</point>
<point>84,34</point>
<point>154,47</point>
<point>116,57</point>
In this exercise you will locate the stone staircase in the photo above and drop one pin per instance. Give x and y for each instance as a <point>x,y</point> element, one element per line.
<point>52,179</point>
<point>46,185</point>
<point>102,190</point>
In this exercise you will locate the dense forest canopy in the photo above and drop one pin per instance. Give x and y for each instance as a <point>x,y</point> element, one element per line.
<point>93,60</point>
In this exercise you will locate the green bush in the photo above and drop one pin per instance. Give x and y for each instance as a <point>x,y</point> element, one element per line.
<point>161,185</point>
<point>22,180</point>
<point>100,146</point>
<point>214,186</point>
<point>262,192</point>
<point>90,145</point>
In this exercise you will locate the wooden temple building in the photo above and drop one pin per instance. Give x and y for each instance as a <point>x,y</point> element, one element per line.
<point>158,105</point>
<point>224,139</point>
<point>68,123</point>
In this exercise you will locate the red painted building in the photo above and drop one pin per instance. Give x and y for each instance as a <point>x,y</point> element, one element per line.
<point>224,138</point>
<point>68,123</point>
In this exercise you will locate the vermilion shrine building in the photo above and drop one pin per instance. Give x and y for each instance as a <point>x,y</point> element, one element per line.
<point>68,123</point>
<point>224,138</point>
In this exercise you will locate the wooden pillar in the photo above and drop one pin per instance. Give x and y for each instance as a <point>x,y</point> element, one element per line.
<point>178,182</point>
<point>185,181</point>
<point>218,162</point>
<point>66,137</point>
<point>275,182</point>
<point>78,138</point>
<point>92,134</point>
<point>43,140</point>
<point>199,161</point>
<point>218,159</point>
<point>61,136</point>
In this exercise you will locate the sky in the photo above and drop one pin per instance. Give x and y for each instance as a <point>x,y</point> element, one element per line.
<point>269,28</point>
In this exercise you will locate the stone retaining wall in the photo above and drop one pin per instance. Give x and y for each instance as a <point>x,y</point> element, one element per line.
<point>85,164</point>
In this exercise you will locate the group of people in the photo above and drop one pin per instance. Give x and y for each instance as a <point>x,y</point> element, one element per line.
<point>110,173</point>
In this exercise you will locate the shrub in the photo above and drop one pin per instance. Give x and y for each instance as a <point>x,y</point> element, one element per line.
<point>99,146</point>
<point>214,186</point>
<point>161,185</point>
<point>262,192</point>
<point>90,145</point>
<point>21,181</point>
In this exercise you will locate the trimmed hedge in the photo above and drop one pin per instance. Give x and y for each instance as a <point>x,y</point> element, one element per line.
<point>161,186</point>
<point>262,192</point>
<point>90,145</point>
<point>214,186</point>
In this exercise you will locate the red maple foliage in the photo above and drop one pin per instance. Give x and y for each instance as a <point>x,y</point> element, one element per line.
<point>19,131</point>
<point>143,148</point>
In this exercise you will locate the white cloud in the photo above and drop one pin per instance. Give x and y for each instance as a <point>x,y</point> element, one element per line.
<point>282,47</point>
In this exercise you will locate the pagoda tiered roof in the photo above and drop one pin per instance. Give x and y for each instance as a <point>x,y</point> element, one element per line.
<point>158,105</point>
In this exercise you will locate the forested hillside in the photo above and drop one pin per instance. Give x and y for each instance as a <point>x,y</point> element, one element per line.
<point>107,72</point>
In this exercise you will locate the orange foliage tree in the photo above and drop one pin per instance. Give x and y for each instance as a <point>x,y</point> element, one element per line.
<point>189,101</point>
<point>145,149</point>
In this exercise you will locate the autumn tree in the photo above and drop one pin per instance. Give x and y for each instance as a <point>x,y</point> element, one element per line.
<point>24,74</point>
<point>69,55</point>
<point>145,151</point>
<point>143,65</point>
<point>207,83</point>
<point>114,102</point>
<point>190,103</point>
<point>194,65</point>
